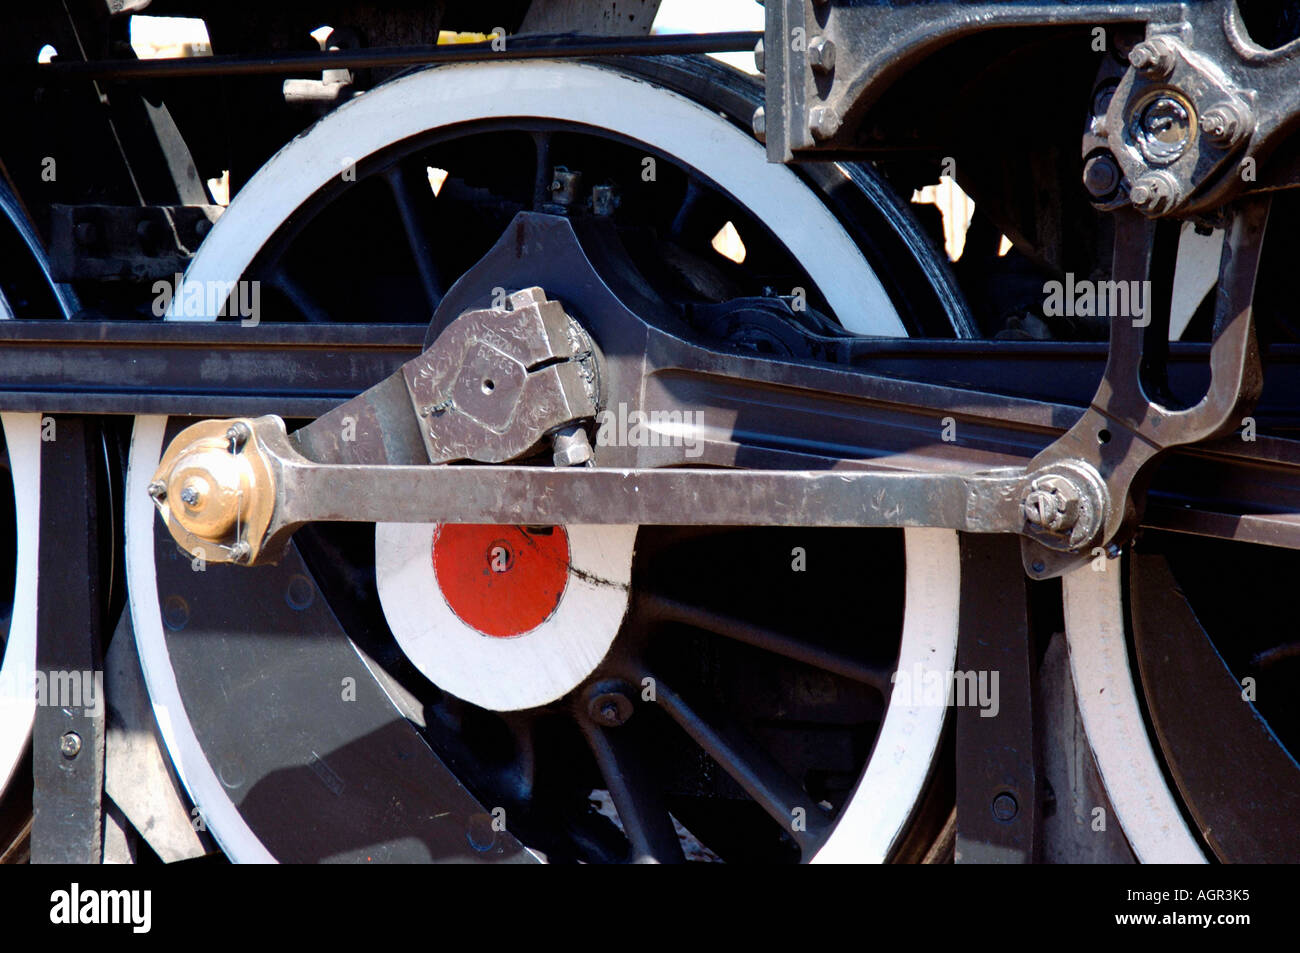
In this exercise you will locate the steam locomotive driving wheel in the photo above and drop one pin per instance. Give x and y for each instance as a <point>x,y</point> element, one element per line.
<point>452,691</point>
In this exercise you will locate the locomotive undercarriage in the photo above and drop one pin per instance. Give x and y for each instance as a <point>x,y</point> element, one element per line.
<point>485,509</point>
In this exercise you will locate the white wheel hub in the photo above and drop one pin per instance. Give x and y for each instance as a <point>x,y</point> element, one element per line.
<point>498,615</point>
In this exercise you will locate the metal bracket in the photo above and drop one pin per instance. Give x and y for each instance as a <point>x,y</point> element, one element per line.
<point>133,242</point>
<point>1122,435</point>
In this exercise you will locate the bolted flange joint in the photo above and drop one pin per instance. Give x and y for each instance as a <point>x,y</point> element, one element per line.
<point>1064,506</point>
<point>211,490</point>
<point>1052,503</point>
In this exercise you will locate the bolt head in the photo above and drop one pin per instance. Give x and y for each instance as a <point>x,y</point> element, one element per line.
<point>191,493</point>
<point>759,123</point>
<point>70,744</point>
<point>211,487</point>
<point>1052,504</point>
<point>1005,807</point>
<point>1101,176</point>
<point>570,447</point>
<point>610,709</point>
<point>1163,129</point>
<point>821,55</point>
<point>574,455</point>
<point>237,435</point>
<point>1154,58</point>
<point>604,199</point>
<point>758,56</point>
<point>158,491</point>
<point>1154,194</point>
<point>1225,125</point>
<point>823,122</point>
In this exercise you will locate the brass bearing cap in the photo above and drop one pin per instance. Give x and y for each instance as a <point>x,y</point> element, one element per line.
<point>214,491</point>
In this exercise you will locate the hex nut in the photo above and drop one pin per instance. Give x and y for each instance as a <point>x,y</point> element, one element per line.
<point>823,122</point>
<point>1155,194</point>
<point>821,55</point>
<point>1227,124</point>
<point>1155,57</point>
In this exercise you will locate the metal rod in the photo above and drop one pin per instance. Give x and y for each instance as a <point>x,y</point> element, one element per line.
<point>776,792</point>
<point>291,62</point>
<point>646,821</point>
<point>665,609</point>
<point>526,496</point>
<point>419,237</point>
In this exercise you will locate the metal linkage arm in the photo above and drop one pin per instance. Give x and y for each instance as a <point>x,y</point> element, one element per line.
<point>282,490</point>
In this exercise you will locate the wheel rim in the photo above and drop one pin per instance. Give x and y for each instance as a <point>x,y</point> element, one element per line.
<point>41,296</point>
<point>885,796</point>
<point>1217,678</point>
<point>1095,627</point>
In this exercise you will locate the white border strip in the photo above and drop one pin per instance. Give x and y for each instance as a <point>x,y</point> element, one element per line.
<point>215,806</point>
<point>1112,720</point>
<point>869,827</point>
<point>17,674</point>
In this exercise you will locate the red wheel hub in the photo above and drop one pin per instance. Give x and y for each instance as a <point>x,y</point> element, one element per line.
<point>503,581</point>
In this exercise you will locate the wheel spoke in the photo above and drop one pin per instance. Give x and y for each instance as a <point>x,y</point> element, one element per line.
<point>664,609</point>
<point>418,239</point>
<point>542,172</point>
<point>687,211</point>
<point>645,818</point>
<point>302,300</point>
<point>780,795</point>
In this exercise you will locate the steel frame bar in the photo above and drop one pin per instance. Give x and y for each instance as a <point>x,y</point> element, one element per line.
<point>998,787</point>
<point>195,368</point>
<point>68,738</point>
<point>296,370</point>
<point>285,63</point>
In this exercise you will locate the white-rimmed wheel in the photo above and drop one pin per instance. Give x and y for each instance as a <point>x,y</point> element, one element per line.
<point>738,679</point>
<point>26,290</point>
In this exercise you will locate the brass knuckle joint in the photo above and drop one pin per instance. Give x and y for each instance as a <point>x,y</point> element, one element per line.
<point>215,490</point>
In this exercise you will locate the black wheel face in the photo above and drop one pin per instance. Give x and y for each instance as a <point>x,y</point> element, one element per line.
<point>754,669</point>
<point>754,663</point>
<point>1215,642</point>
